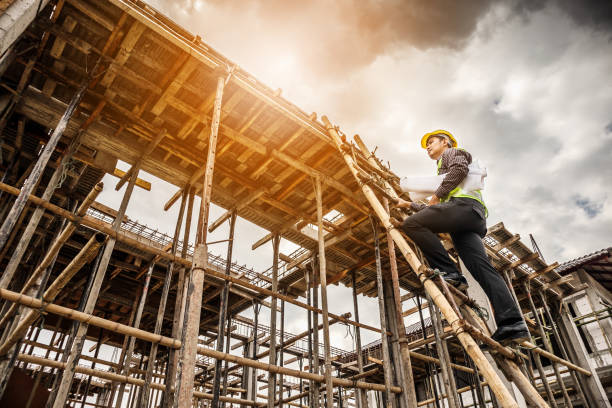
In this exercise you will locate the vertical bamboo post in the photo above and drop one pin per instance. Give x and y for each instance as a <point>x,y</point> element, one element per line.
<point>563,349</point>
<point>190,332</point>
<point>428,366</point>
<point>408,380</point>
<point>311,384</point>
<point>179,306</point>
<point>273,307</point>
<point>93,366</point>
<point>223,313</point>
<point>360,394</point>
<point>383,320</point>
<point>315,335</point>
<point>79,339</point>
<point>281,352</point>
<point>442,355</point>
<point>329,390</point>
<point>253,379</point>
<point>143,397</point>
<point>503,395</point>
<point>127,366</point>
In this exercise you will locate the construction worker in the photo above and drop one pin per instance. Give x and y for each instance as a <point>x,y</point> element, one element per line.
<point>462,214</point>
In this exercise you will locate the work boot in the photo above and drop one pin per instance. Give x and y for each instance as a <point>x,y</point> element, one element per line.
<point>514,332</point>
<point>455,279</point>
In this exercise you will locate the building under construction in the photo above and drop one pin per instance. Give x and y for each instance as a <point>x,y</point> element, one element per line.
<point>87,83</point>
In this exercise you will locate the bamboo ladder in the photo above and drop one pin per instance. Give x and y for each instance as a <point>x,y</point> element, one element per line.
<point>463,330</point>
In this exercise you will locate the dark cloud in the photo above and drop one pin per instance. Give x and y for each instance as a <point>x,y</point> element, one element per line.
<point>336,38</point>
<point>609,128</point>
<point>590,208</point>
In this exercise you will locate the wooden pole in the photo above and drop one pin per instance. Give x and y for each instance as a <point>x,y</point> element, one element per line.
<point>383,320</point>
<point>127,366</point>
<point>43,159</point>
<point>547,345</point>
<point>495,383</point>
<point>315,336</point>
<point>143,398</point>
<point>408,380</point>
<point>443,356</point>
<point>193,306</point>
<point>223,313</point>
<point>179,306</point>
<point>323,280</point>
<point>273,307</point>
<point>362,398</point>
<point>68,374</point>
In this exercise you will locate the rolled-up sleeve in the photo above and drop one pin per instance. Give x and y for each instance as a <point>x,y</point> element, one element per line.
<point>457,165</point>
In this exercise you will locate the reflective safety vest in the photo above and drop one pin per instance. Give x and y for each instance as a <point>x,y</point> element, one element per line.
<point>460,192</point>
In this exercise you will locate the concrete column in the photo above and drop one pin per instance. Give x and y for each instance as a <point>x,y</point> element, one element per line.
<point>15,20</point>
<point>591,385</point>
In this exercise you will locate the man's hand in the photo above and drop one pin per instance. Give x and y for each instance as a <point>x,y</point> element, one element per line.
<point>434,200</point>
<point>401,203</point>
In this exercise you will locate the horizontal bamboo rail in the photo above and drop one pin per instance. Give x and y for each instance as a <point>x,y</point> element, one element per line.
<point>173,343</point>
<point>552,357</point>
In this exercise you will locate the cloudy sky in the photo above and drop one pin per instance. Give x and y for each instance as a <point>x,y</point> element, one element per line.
<point>525,86</point>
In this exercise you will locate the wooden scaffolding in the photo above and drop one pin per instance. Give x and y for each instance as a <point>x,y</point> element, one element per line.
<point>89,83</point>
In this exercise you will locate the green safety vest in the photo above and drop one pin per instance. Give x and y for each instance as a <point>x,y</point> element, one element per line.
<point>459,192</point>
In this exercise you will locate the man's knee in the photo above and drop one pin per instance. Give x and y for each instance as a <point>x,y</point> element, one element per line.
<point>411,226</point>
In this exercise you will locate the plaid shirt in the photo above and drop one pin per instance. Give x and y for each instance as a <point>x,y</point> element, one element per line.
<point>455,165</point>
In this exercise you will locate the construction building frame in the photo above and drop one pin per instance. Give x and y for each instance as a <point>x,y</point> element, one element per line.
<point>86,83</point>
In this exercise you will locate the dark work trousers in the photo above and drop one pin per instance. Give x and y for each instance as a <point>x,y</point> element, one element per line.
<point>464,219</point>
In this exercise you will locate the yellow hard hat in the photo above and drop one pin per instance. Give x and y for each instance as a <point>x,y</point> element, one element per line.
<point>438,132</point>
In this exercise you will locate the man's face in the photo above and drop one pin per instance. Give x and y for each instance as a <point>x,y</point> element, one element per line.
<point>436,146</point>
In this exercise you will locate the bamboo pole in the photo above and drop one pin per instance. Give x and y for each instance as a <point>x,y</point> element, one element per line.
<point>143,399</point>
<point>408,380</point>
<point>323,281</point>
<point>200,262</point>
<point>79,339</point>
<point>316,402</point>
<point>443,355</point>
<point>362,398</point>
<point>495,383</point>
<point>388,375</point>
<point>273,307</point>
<point>179,305</point>
<point>224,298</point>
<point>127,366</point>
<point>547,345</point>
